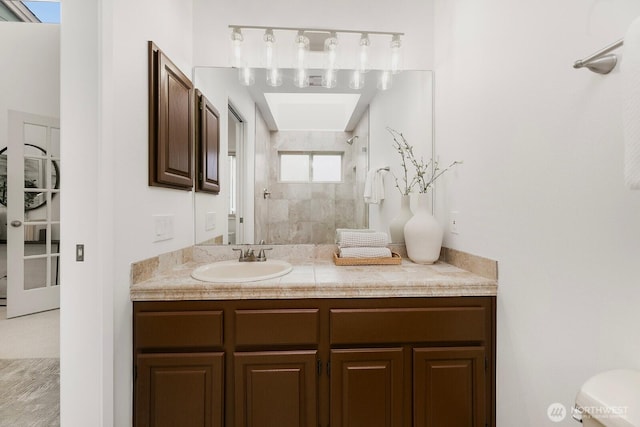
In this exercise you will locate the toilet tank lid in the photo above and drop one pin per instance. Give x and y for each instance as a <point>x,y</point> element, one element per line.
<point>612,397</point>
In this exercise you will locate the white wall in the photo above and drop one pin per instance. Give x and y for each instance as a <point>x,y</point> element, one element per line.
<point>110,205</point>
<point>413,17</point>
<point>30,70</point>
<point>541,189</point>
<point>407,108</point>
<point>31,80</point>
<point>221,87</point>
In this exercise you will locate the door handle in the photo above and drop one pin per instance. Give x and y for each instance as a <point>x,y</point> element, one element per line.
<point>265,193</point>
<point>16,223</point>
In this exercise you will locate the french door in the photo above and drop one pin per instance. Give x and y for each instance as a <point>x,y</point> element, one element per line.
<point>33,214</point>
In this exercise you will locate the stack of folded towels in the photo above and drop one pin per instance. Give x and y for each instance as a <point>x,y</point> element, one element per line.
<point>362,244</point>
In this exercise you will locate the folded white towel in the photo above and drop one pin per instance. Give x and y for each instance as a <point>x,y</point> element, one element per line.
<point>630,73</point>
<point>351,239</point>
<point>339,232</point>
<point>374,187</point>
<point>365,253</point>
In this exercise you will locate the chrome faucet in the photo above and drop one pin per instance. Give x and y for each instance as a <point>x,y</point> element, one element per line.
<point>250,256</point>
<point>246,256</point>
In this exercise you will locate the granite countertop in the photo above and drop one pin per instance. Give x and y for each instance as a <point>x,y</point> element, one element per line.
<point>320,278</point>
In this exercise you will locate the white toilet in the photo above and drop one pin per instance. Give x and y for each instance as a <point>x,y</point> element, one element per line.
<point>610,399</point>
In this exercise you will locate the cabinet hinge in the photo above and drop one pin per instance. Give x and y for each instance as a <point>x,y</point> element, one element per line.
<point>135,372</point>
<point>319,367</point>
<point>201,104</point>
<point>329,368</point>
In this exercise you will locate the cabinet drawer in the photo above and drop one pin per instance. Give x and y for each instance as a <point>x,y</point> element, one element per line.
<point>178,329</point>
<point>277,327</point>
<point>406,325</point>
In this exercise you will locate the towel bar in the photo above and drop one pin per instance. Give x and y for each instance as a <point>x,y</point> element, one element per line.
<point>600,62</point>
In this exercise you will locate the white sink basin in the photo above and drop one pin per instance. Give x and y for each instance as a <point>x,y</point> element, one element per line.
<point>235,271</point>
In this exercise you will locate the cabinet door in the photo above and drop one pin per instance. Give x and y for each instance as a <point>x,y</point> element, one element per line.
<point>179,390</point>
<point>170,123</point>
<point>276,389</point>
<point>449,387</point>
<point>366,387</point>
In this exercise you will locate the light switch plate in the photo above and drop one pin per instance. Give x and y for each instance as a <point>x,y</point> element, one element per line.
<point>162,227</point>
<point>453,223</point>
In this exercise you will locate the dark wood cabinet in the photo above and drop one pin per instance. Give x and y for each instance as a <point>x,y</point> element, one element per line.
<point>170,123</point>
<point>207,145</point>
<point>276,389</point>
<point>449,387</point>
<point>183,390</point>
<point>367,387</point>
<point>393,362</point>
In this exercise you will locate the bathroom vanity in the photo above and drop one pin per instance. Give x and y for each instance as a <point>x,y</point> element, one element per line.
<point>323,346</point>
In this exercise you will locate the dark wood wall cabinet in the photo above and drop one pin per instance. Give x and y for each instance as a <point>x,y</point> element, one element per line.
<point>170,123</point>
<point>207,145</point>
<point>393,362</point>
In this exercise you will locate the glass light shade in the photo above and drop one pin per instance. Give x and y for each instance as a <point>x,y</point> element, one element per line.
<point>329,78</point>
<point>331,52</point>
<point>396,54</point>
<point>236,48</point>
<point>301,50</point>
<point>274,77</point>
<point>363,54</point>
<point>301,78</point>
<point>247,76</point>
<point>269,49</point>
<point>357,80</point>
<point>385,80</point>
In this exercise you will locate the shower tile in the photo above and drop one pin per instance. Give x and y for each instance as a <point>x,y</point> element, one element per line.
<point>299,210</point>
<point>323,191</point>
<point>278,210</point>
<point>322,210</point>
<point>300,232</point>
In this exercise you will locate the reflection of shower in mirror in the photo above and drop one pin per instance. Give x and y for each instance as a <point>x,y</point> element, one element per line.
<point>353,138</point>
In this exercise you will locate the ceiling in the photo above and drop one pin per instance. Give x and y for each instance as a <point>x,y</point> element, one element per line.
<point>313,108</point>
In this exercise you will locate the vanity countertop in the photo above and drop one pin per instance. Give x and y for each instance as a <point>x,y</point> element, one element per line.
<point>322,279</point>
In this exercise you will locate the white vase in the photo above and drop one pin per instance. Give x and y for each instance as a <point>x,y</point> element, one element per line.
<point>423,234</point>
<point>396,226</point>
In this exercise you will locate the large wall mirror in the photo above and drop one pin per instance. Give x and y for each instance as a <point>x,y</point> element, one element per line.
<point>293,162</point>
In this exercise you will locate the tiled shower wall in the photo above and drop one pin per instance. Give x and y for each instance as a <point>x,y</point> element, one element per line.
<point>307,212</point>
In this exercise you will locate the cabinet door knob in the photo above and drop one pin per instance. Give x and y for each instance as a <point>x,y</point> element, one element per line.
<point>16,223</point>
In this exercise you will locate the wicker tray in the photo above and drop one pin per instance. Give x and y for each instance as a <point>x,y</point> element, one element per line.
<point>394,260</point>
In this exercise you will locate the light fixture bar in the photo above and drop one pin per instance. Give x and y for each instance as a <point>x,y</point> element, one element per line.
<point>325,30</point>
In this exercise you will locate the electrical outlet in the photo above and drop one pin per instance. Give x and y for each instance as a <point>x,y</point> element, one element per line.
<point>210,221</point>
<point>162,227</point>
<point>453,222</point>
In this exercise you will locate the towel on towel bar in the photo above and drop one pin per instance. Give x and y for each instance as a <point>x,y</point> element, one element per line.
<point>630,73</point>
<point>365,253</point>
<point>351,239</point>
<point>374,187</point>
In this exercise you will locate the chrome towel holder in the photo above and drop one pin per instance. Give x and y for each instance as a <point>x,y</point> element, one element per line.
<point>601,62</point>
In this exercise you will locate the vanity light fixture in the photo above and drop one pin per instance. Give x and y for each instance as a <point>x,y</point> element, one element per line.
<point>330,78</point>
<point>301,77</point>
<point>274,77</point>
<point>247,76</point>
<point>307,51</point>
<point>236,47</point>
<point>363,57</point>
<point>357,80</point>
<point>385,80</point>
<point>396,54</point>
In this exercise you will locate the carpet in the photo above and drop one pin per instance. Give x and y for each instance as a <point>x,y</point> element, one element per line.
<point>29,392</point>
